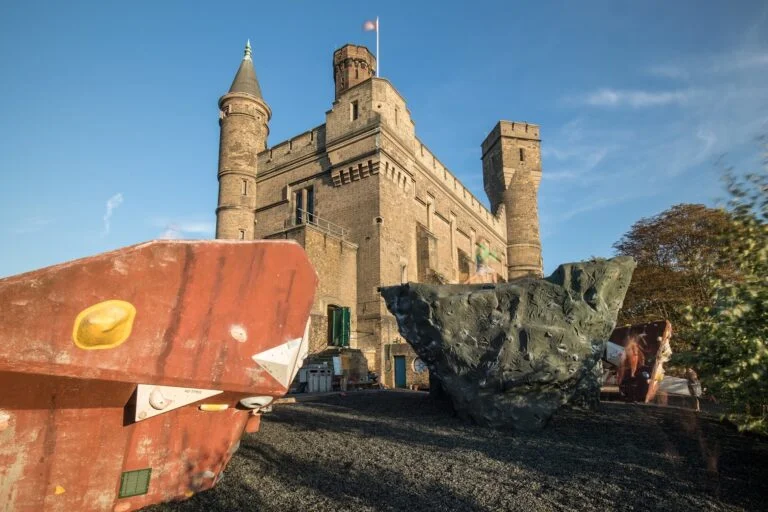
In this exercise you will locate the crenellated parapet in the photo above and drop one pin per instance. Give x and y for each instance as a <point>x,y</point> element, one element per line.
<point>302,145</point>
<point>514,129</point>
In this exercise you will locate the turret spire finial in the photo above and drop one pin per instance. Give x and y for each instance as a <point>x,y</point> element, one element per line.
<point>245,79</point>
<point>247,49</point>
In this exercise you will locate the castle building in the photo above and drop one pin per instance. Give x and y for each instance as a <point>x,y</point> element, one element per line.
<point>372,205</point>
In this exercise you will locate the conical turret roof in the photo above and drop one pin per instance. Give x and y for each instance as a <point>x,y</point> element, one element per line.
<point>245,80</point>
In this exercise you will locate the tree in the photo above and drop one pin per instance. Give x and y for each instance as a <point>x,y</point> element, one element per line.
<point>730,335</point>
<point>677,253</point>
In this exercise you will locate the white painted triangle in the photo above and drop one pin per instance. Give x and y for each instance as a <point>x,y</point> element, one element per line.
<point>283,362</point>
<point>152,400</point>
<point>280,360</point>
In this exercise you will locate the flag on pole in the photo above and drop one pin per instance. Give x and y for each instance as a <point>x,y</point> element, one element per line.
<point>368,26</point>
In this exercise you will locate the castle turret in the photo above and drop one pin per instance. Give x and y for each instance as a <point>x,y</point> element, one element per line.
<point>351,65</point>
<point>511,174</point>
<point>243,118</point>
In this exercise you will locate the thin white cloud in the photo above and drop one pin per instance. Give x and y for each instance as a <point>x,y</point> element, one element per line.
<point>596,157</point>
<point>559,176</point>
<point>174,230</point>
<point>709,67</point>
<point>32,225</point>
<point>669,71</point>
<point>723,115</point>
<point>576,161</point>
<point>596,204</point>
<point>708,138</point>
<point>549,222</point>
<point>635,98</point>
<point>739,61</point>
<point>112,203</point>
<point>719,107</point>
<point>170,233</point>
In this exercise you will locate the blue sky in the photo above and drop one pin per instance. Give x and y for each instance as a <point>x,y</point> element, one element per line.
<point>109,134</point>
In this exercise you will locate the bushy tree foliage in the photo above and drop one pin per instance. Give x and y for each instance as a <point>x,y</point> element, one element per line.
<point>706,270</point>
<point>677,253</point>
<point>730,335</point>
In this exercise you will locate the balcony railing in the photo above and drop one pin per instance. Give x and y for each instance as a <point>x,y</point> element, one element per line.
<point>302,217</point>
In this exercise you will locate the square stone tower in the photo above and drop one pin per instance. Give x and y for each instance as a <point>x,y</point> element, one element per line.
<point>511,175</point>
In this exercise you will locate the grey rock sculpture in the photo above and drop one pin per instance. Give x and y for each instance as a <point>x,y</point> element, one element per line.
<point>511,354</point>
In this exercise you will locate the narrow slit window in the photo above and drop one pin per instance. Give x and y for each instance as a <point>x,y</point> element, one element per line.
<point>311,204</point>
<point>522,155</point>
<point>242,234</point>
<point>245,187</point>
<point>299,207</point>
<point>354,110</point>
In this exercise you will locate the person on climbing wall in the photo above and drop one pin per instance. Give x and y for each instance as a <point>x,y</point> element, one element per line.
<point>484,273</point>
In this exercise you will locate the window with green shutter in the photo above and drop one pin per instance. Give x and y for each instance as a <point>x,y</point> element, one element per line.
<point>339,326</point>
<point>344,327</point>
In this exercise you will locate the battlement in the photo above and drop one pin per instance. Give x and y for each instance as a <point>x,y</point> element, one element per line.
<point>305,143</point>
<point>515,129</point>
<point>440,172</point>
<point>353,51</point>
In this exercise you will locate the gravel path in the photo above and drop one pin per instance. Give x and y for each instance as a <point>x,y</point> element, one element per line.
<point>392,450</point>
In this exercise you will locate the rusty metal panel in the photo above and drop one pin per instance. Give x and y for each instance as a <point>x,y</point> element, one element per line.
<point>88,345</point>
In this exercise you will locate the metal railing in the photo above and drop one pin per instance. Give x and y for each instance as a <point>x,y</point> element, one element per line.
<point>301,217</point>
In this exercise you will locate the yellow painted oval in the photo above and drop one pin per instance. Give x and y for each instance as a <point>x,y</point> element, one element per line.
<point>213,407</point>
<point>104,325</point>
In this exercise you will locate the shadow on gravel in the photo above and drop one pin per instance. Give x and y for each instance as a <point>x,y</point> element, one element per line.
<point>633,456</point>
<point>401,451</point>
<point>377,487</point>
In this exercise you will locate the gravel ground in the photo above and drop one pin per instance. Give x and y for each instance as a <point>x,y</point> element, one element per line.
<point>398,450</point>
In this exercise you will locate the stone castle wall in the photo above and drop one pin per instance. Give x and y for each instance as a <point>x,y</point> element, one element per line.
<point>389,205</point>
<point>335,261</point>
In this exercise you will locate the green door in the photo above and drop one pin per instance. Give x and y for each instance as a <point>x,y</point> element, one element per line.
<point>400,381</point>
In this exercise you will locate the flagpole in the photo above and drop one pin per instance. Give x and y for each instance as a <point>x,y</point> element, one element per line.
<point>378,58</point>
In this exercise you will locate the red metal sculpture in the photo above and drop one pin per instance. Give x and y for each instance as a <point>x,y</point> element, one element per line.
<point>128,378</point>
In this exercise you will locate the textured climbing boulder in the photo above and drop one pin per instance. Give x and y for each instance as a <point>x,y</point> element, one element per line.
<point>509,355</point>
